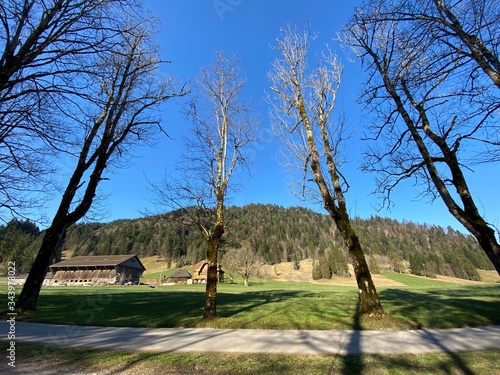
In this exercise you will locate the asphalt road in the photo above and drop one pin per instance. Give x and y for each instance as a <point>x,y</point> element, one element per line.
<point>207,340</point>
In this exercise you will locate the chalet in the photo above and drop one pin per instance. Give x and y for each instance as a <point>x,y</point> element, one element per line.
<point>181,276</point>
<point>98,270</point>
<point>201,269</point>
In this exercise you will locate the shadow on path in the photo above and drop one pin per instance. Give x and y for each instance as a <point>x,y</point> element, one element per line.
<point>353,363</point>
<point>455,358</point>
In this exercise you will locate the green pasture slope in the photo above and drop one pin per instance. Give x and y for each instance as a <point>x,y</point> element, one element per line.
<point>269,304</point>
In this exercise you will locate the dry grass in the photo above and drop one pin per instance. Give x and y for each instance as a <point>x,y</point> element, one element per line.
<point>286,272</point>
<point>156,264</point>
<point>489,277</point>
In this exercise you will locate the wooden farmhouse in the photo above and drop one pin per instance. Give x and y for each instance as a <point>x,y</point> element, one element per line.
<point>98,270</point>
<point>201,269</point>
<point>181,276</point>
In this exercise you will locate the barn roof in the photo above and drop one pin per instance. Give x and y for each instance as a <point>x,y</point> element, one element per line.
<point>181,273</point>
<point>198,266</point>
<point>96,261</point>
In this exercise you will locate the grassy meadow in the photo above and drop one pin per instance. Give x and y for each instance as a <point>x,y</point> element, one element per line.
<point>265,304</point>
<point>37,359</point>
<point>271,304</point>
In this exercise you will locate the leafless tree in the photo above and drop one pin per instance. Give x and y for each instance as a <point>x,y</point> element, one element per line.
<point>303,106</point>
<point>215,149</point>
<point>432,92</point>
<point>121,114</point>
<point>44,50</point>
<point>244,261</point>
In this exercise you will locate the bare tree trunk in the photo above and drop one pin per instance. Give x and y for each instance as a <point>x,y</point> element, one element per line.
<point>487,240</point>
<point>52,240</point>
<point>222,129</point>
<point>56,233</point>
<point>368,296</point>
<point>369,302</point>
<point>211,289</point>
<point>123,116</point>
<point>214,244</point>
<point>334,203</point>
<point>304,105</point>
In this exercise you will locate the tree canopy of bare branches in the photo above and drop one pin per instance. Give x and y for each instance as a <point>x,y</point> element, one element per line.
<point>46,46</point>
<point>126,89</point>
<point>432,93</point>
<point>303,107</point>
<point>243,260</point>
<point>216,148</point>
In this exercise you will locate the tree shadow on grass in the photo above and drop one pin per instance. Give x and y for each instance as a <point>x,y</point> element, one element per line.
<point>45,359</point>
<point>295,309</point>
<point>428,309</point>
<point>182,308</point>
<point>462,307</point>
<point>439,308</point>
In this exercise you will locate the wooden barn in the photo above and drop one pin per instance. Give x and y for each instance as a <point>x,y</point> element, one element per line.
<point>181,276</point>
<point>201,269</point>
<point>98,270</point>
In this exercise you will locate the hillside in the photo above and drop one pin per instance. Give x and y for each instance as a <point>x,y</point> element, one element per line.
<point>287,272</point>
<point>278,235</point>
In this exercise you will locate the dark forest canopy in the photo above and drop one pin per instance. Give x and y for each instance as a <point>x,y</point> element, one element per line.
<point>276,233</point>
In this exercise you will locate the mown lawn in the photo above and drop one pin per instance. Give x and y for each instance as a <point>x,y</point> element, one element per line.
<point>35,359</point>
<point>268,304</point>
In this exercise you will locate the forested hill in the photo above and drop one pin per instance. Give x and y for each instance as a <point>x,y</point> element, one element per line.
<point>277,234</point>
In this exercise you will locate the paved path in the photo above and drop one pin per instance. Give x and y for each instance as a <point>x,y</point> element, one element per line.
<point>258,341</point>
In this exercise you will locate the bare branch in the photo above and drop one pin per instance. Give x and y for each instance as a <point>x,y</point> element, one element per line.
<point>424,60</point>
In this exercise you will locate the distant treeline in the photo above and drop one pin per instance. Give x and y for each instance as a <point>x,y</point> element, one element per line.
<point>276,233</point>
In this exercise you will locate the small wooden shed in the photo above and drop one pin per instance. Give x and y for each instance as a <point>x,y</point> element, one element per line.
<point>181,276</point>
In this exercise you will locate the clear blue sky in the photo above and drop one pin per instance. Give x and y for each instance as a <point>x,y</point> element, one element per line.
<point>191,31</point>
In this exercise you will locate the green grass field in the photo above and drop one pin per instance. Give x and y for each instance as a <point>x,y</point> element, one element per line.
<point>269,304</point>
<point>85,361</point>
<point>266,304</point>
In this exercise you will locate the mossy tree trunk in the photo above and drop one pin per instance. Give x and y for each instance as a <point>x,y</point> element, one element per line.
<point>215,147</point>
<point>28,299</point>
<point>214,241</point>
<point>303,108</point>
<point>369,301</point>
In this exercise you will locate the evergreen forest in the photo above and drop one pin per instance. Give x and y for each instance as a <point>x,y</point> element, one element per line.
<point>275,233</point>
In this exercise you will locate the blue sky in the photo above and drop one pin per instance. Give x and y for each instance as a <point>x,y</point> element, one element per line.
<point>191,30</point>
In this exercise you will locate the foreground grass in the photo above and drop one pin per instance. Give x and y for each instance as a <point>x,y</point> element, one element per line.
<point>268,304</point>
<point>59,360</point>
<point>265,304</point>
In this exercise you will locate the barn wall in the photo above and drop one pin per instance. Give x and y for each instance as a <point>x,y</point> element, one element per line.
<point>126,274</point>
<point>103,276</point>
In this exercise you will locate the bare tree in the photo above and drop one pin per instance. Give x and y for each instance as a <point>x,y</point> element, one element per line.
<point>215,149</point>
<point>430,67</point>
<point>121,114</point>
<point>303,106</point>
<point>244,261</point>
<point>44,49</point>
<point>466,31</point>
